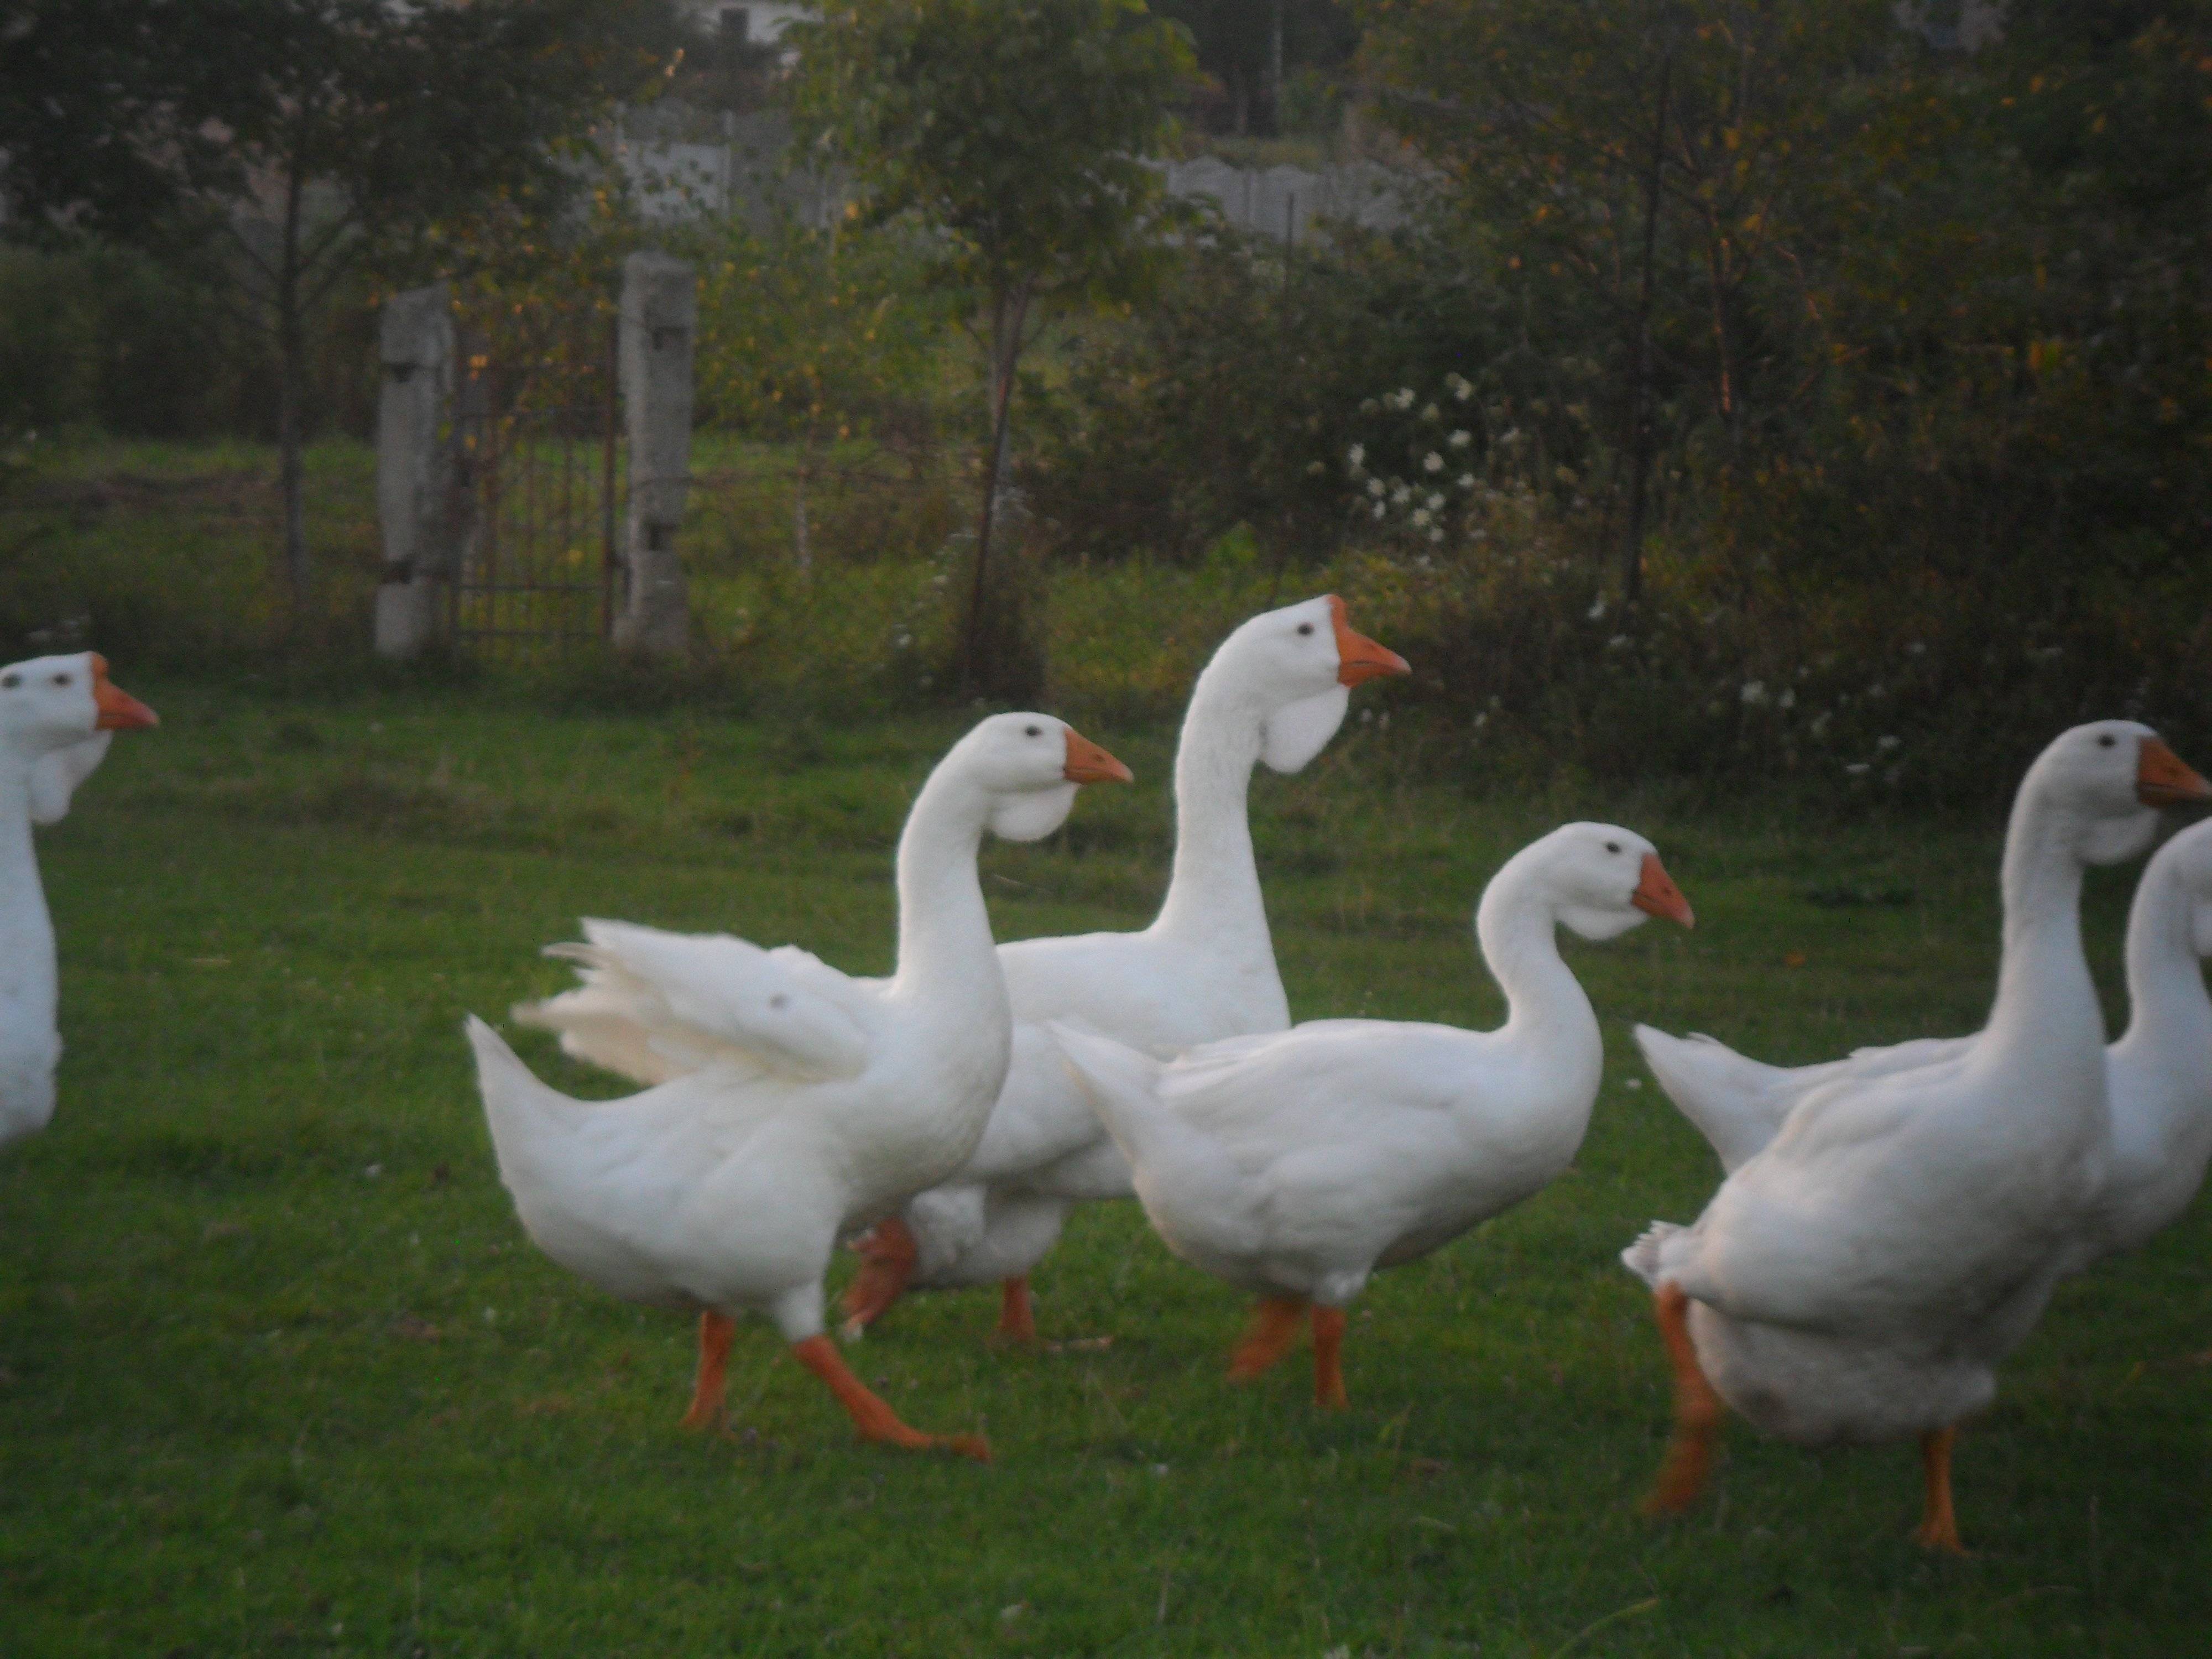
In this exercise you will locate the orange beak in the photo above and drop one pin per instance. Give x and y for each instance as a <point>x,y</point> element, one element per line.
<point>121,712</point>
<point>1655,894</point>
<point>2164,779</point>
<point>1088,763</point>
<point>1358,657</point>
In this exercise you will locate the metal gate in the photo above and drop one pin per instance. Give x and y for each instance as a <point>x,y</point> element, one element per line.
<point>542,477</point>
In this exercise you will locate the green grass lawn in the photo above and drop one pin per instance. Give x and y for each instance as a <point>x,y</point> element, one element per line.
<point>279,1372</point>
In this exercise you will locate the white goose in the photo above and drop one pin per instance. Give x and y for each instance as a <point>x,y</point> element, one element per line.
<point>1859,1276</point>
<point>1294,1165</point>
<point>799,1103</point>
<point>56,715</point>
<point>2158,1075</point>
<point>1275,691</point>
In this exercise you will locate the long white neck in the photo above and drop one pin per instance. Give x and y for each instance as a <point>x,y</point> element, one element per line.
<point>1213,900</point>
<point>945,948</point>
<point>27,932</point>
<point>1547,1010</point>
<point>2168,1009</point>
<point>2045,1004</point>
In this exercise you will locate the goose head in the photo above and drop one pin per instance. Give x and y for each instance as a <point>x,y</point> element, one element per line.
<point>56,716</point>
<point>50,703</point>
<point>1294,669</point>
<point>1603,880</point>
<point>1029,767</point>
<point>2108,779</point>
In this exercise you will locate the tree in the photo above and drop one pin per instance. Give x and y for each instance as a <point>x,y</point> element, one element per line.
<point>1250,46</point>
<point>811,335</point>
<point>292,143</point>
<point>1658,179</point>
<point>1014,131</point>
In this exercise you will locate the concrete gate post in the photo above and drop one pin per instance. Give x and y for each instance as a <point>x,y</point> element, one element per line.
<point>659,319</point>
<point>414,467</point>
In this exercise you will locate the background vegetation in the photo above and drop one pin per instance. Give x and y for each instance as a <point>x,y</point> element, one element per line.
<point>1753,387</point>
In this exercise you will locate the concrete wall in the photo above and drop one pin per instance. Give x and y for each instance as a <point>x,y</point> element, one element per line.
<point>659,325</point>
<point>414,468</point>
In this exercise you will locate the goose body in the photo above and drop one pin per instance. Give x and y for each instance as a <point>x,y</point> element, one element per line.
<point>2158,1075</point>
<point>1274,692</point>
<point>1294,1165</point>
<point>1862,1270</point>
<point>797,1103</point>
<point>56,715</point>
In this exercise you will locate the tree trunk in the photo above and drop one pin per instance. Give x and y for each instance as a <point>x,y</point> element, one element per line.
<point>1008,313</point>
<point>291,375</point>
<point>1639,417</point>
<point>802,549</point>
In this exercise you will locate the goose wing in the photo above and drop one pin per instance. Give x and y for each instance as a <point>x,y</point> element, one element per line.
<point>655,1005</point>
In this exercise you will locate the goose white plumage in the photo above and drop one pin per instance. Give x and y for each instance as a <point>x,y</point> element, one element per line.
<point>56,715</point>
<point>1866,1264</point>
<point>792,1102</point>
<point>1274,692</point>
<point>1294,1165</point>
<point>2158,1075</point>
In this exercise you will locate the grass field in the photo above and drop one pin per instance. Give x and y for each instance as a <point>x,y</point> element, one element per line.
<point>279,1372</point>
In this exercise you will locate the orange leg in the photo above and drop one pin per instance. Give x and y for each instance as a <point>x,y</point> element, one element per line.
<point>1697,1410</point>
<point>1016,1322</point>
<point>716,1332</point>
<point>1939,1524</point>
<point>1328,1359</point>
<point>887,1257</point>
<point>874,1419</point>
<point>1274,1327</point>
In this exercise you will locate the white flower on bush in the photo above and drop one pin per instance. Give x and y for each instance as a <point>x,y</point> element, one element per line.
<point>1375,486</point>
<point>1432,413</point>
<point>1460,439</point>
<point>1315,469</point>
<point>1857,769</point>
<point>1754,693</point>
<point>1432,462</point>
<point>1788,699</point>
<point>1466,481</point>
<point>1420,517</point>
<point>1401,494</point>
<point>1464,390</point>
<point>1883,746</point>
<point>1381,511</point>
<point>1597,609</point>
<point>1357,455</point>
<point>1435,501</point>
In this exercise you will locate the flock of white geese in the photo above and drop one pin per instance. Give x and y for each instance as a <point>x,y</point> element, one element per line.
<point>1889,1227</point>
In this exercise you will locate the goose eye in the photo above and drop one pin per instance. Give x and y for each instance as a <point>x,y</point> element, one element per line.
<point>1613,847</point>
<point>1306,627</point>
<point>10,681</point>
<point>1033,731</point>
<point>61,679</point>
<point>2105,741</point>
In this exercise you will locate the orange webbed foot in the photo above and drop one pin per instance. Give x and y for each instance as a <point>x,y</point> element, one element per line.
<point>715,1332</point>
<point>888,1253</point>
<point>1697,1411</point>
<point>1017,1318</point>
<point>875,1420</point>
<point>1274,1327</point>
<point>1328,1359</point>
<point>1939,1523</point>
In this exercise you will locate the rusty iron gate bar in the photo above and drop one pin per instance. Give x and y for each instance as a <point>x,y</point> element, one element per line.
<point>543,482</point>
